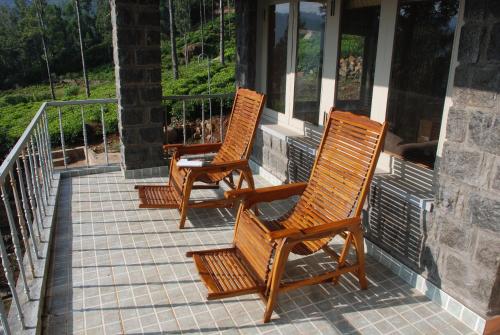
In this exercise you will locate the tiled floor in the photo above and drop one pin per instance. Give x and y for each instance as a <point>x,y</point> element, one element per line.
<point>116,269</point>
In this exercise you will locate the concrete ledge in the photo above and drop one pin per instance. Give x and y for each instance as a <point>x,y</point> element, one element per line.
<point>33,307</point>
<point>257,169</point>
<point>84,171</point>
<point>159,171</point>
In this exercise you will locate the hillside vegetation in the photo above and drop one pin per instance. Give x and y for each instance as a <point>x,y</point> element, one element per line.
<point>18,106</point>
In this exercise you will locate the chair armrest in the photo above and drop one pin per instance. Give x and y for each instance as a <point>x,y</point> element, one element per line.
<point>193,149</point>
<point>316,232</point>
<point>266,194</point>
<point>221,166</point>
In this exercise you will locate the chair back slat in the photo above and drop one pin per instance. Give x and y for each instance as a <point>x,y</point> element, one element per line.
<point>247,109</point>
<point>253,245</point>
<point>343,169</point>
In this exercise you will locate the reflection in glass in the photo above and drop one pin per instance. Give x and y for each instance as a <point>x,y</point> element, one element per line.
<point>309,66</point>
<point>422,53</point>
<point>276,59</point>
<point>358,51</point>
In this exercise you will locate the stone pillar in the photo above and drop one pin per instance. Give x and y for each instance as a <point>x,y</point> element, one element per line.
<point>246,45</point>
<point>464,241</point>
<point>137,57</point>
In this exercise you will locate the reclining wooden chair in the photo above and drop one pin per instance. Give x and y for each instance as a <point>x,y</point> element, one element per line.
<point>330,205</point>
<point>231,155</point>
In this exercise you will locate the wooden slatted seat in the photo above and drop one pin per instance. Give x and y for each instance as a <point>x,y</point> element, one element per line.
<point>330,204</point>
<point>231,156</point>
<point>159,196</point>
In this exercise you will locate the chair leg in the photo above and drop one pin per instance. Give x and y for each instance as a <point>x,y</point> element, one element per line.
<point>360,252</point>
<point>247,174</point>
<point>240,181</point>
<point>185,201</point>
<point>277,273</point>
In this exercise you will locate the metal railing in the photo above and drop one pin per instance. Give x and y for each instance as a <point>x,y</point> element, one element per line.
<point>27,176</point>
<point>204,107</point>
<point>26,185</point>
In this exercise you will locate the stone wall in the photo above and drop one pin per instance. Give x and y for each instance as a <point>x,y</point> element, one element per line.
<point>137,58</point>
<point>270,152</point>
<point>464,241</point>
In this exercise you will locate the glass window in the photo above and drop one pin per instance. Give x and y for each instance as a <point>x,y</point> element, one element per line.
<point>277,52</point>
<point>309,60</point>
<point>358,51</point>
<point>420,65</point>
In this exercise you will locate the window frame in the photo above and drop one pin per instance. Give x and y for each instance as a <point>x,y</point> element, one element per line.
<point>286,119</point>
<point>383,65</point>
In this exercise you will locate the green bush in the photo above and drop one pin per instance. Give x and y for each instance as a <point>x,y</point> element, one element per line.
<point>71,91</point>
<point>16,99</point>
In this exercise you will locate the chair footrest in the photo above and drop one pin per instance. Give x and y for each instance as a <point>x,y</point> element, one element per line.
<point>156,196</point>
<point>224,273</point>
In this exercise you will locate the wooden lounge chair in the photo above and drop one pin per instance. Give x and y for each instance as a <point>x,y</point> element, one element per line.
<point>330,204</point>
<point>231,155</point>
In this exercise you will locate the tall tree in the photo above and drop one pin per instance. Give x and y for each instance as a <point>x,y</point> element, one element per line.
<point>183,22</point>
<point>85,78</point>
<point>39,10</point>
<point>173,46</point>
<point>221,31</point>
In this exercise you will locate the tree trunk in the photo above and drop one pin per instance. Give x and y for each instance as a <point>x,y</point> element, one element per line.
<point>85,77</point>
<point>202,15</point>
<point>38,6</point>
<point>186,53</point>
<point>173,46</point>
<point>221,37</point>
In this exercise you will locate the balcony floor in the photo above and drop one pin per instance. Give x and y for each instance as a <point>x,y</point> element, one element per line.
<point>116,269</point>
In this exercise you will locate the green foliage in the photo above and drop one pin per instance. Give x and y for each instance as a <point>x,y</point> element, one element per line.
<point>21,56</point>
<point>352,45</point>
<point>18,106</point>
<point>71,91</point>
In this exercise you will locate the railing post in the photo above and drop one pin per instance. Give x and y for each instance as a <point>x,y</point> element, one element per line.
<point>61,132</point>
<point>221,122</point>
<point>36,177</point>
<point>41,160</point>
<point>15,239</point>
<point>3,318</point>
<point>26,207</point>
<point>49,143</point>
<point>42,146</point>
<point>10,279</point>
<point>184,121</point>
<point>211,125</point>
<point>104,135</point>
<point>85,136</point>
<point>20,217</point>
<point>202,120</point>
<point>28,171</point>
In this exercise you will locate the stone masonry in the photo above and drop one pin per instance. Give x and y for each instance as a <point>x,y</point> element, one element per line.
<point>270,152</point>
<point>464,240</point>
<point>137,57</point>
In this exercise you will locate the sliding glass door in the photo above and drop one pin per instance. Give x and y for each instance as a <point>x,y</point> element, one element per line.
<point>277,56</point>
<point>423,45</point>
<point>358,50</point>
<point>295,46</point>
<point>309,60</point>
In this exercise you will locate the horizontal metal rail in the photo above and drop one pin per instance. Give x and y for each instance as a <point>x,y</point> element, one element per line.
<point>210,100</point>
<point>198,96</point>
